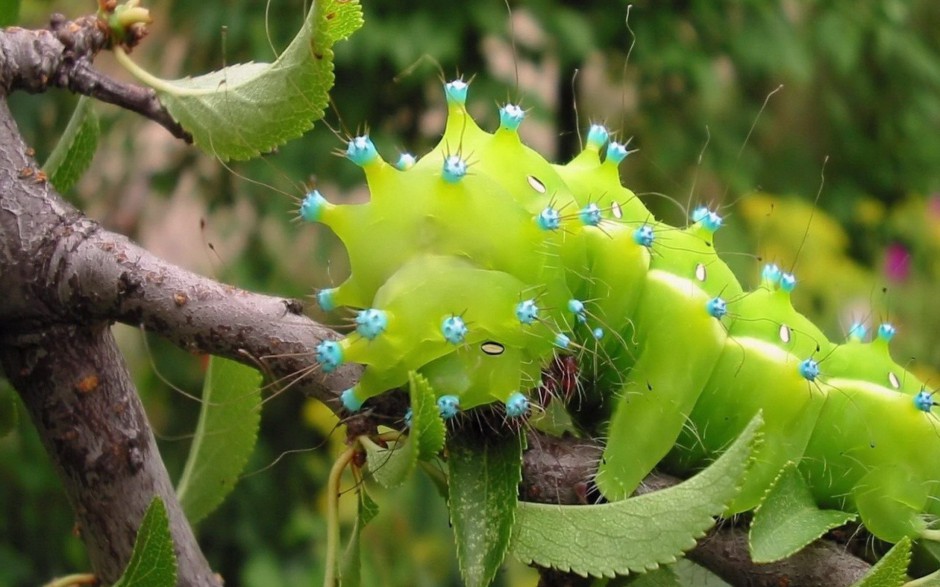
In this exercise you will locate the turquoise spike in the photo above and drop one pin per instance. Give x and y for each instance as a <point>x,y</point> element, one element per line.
<point>361,151</point>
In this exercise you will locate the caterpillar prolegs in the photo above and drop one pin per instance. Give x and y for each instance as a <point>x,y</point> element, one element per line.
<point>481,265</point>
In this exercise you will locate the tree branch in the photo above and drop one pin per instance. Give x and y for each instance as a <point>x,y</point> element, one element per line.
<point>61,56</point>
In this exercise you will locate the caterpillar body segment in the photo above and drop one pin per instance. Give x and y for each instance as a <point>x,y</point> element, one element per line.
<point>483,266</point>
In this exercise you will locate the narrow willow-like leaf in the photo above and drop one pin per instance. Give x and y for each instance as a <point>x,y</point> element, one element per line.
<point>788,519</point>
<point>153,563</point>
<point>391,465</point>
<point>76,147</point>
<point>246,109</point>
<point>484,475</point>
<point>427,426</point>
<point>636,534</point>
<point>351,569</point>
<point>225,436</point>
<point>891,570</point>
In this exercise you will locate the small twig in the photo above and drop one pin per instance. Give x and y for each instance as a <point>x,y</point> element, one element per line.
<point>61,57</point>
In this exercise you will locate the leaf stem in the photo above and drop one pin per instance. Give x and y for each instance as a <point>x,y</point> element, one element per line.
<point>73,580</point>
<point>158,84</point>
<point>332,515</point>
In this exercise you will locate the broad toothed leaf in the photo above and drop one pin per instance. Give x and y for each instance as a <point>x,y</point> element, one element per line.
<point>788,519</point>
<point>247,109</point>
<point>891,570</point>
<point>636,534</point>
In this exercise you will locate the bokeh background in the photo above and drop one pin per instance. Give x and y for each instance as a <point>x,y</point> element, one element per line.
<point>814,126</point>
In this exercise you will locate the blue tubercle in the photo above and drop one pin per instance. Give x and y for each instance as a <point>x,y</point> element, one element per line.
<point>325,299</point>
<point>350,401</point>
<point>409,416</point>
<point>454,329</point>
<point>644,236</point>
<point>809,369</point>
<point>858,331</point>
<point>771,274</point>
<point>716,307</point>
<point>598,333</point>
<point>787,282</point>
<point>511,116</point>
<point>527,311</point>
<point>456,91</point>
<point>923,401</point>
<point>590,215</point>
<point>548,219</point>
<point>454,168</point>
<point>886,332</point>
<point>562,341</point>
<point>361,151</point>
<point>371,322</point>
<point>405,161</point>
<point>709,220</point>
<point>329,355</point>
<point>616,152</point>
<point>311,209</point>
<point>448,406</point>
<point>597,136</point>
<point>517,405</point>
<point>576,307</point>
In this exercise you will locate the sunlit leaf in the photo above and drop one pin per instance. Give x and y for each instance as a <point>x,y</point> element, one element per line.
<point>635,534</point>
<point>246,109</point>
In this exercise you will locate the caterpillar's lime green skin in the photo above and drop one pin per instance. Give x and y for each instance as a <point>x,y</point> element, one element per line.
<point>479,262</point>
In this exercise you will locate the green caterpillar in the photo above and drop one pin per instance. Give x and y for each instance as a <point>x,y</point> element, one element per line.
<point>480,264</point>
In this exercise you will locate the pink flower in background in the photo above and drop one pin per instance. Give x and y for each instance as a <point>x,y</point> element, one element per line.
<point>897,262</point>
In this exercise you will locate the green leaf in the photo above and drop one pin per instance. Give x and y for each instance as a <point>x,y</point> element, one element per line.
<point>391,465</point>
<point>931,580</point>
<point>484,474</point>
<point>661,577</point>
<point>891,570</point>
<point>9,12</point>
<point>246,109</point>
<point>352,559</point>
<point>153,563</point>
<point>225,436</point>
<point>76,147</point>
<point>427,426</point>
<point>638,533</point>
<point>788,519</point>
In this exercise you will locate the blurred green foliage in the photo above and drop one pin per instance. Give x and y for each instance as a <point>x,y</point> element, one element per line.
<point>861,87</point>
